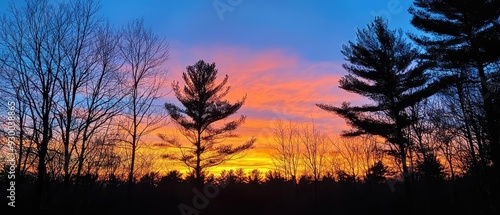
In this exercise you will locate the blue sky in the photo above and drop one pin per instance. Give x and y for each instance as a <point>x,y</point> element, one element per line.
<point>313,29</point>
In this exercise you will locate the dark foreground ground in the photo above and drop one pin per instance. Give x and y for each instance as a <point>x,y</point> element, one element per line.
<point>272,197</point>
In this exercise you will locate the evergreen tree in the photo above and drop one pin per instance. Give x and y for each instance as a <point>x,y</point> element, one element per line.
<point>203,107</point>
<point>384,68</point>
<point>430,169</point>
<point>466,36</point>
<point>376,173</point>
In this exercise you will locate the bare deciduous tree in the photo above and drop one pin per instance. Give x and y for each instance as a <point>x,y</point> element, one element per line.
<point>31,44</point>
<point>78,22</point>
<point>285,148</point>
<point>144,54</point>
<point>103,95</point>
<point>355,155</point>
<point>316,147</point>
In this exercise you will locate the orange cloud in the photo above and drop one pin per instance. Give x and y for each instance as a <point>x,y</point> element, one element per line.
<point>277,84</point>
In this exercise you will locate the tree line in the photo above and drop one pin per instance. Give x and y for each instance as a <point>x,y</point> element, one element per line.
<point>87,95</point>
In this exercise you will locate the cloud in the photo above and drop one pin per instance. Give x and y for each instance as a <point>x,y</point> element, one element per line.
<point>277,84</point>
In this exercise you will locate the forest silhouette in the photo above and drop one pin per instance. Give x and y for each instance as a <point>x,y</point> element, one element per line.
<point>81,99</point>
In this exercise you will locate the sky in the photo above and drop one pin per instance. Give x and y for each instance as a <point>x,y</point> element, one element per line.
<point>283,54</point>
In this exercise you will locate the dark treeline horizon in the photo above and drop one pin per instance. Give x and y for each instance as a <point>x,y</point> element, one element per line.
<point>83,98</point>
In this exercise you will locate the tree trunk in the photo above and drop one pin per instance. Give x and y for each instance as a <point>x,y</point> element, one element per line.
<point>132,163</point>
<point>42,172</point>
<point>21,145</point>
<point>468,132</point>
<point>199,180</point>
<point>42,169</point>
<point>81,158</point>
<point>406,173</point>
<point>491,128</point>
<point>134,137</point>
<point>66,160</point>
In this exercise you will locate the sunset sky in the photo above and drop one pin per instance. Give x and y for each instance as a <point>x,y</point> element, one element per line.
<point>285,55</point>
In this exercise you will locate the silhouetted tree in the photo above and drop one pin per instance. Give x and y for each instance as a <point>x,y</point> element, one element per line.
<point>101,96</point>
<point>240,176</point>
<point>285,145</point>
<point>345,177</point>
<point>150,179</point>
<point>384,68</point>
<point>466,34</point>
<point>328,177</point>
<point>78,62</point>
<point>226,176</point>
<point>445,134</point>
<point>193,179</point>
<point>355,154</point>
<point>465,40</point>
<point>255,177</point>
<point>456,123</point>
<point>275,177</point>
<point>418,132</point>
<point>431,169</point>
<point>203,107</point>
<point>100,156</point>
<point>144,54</point>
<point>306,180</point>
<point>316,147</point>
<point>173,176</point>
<point>30,38</point>
<point>376,173</point>
<point>13,92</point>
<point>64,61</point>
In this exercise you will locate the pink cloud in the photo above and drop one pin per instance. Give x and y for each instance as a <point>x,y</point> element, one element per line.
<point>277,84</point>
